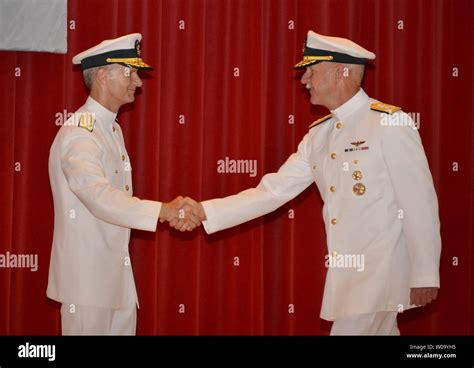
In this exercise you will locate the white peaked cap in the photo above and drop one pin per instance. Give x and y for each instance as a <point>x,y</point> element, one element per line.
<point>123,50</point>
<point>320,48</point>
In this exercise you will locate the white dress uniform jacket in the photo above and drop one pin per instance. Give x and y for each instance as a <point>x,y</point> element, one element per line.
<point>379,202</point>
<point>90,175</point>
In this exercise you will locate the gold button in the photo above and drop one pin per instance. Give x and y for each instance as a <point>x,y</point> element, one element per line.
<point>356,161</point>
<point>116,171</point>
<point>332,189</point>
<point>333,156</point>
<point>334,253</point>
<point>123,157</point>
<point>113,129</point>
<point>357,175</point>
<point>127,187</point>
<point>358,189</point>
<point>334,221</point>
<point>339,125</point>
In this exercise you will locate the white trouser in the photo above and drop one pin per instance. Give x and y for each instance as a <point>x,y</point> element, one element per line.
<point>80,320</point>
<point>379,323</point>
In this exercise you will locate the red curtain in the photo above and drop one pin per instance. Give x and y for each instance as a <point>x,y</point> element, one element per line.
<point>224,68</point>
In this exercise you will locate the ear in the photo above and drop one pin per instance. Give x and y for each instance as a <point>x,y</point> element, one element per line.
<point>338,72</point>
<point>102,76</point>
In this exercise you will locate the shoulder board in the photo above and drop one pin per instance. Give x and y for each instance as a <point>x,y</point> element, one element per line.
<point>320,121</point>
<point>386,108</point>
<point>86,121</point>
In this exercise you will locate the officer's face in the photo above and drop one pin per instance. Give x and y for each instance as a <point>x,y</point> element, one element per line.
<point>319,80</point>
<point>122,83</point>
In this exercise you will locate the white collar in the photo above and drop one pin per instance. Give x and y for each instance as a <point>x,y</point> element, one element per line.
<point>348,107</point>
<point>105,115</point>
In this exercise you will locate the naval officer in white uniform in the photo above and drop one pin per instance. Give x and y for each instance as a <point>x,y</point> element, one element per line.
<point>90,174</point>
<point>380,206</point>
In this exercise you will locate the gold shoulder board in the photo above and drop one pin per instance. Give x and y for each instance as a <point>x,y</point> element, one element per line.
<point>386,108</point>
<point>87,121</point>
<point>320,121</point>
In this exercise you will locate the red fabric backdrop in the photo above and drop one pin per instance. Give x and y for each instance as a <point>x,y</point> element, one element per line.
<point>281,259</point>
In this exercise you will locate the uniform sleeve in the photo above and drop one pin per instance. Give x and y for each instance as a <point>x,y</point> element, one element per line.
<point>84,172</point>
<point>416,197</point>
<point>273,191</point>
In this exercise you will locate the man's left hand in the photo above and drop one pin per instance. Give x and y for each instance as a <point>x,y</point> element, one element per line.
<point>423,296</point>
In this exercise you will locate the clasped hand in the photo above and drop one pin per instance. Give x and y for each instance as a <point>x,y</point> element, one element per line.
<point>182,213</point>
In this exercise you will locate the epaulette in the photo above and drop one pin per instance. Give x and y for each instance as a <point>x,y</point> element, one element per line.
<point>320,121</point>
<point>87,121</point>
<point>386,108</point>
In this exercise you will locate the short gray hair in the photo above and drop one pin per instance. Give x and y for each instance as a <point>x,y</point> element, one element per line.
<point>91,73</point>
<point>356,73</point>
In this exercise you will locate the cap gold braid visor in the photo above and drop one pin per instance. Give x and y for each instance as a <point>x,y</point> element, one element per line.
<point>314,56</point>
<point>128,57</point>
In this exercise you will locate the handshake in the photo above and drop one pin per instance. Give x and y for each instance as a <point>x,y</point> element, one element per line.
<point>184,214</point>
